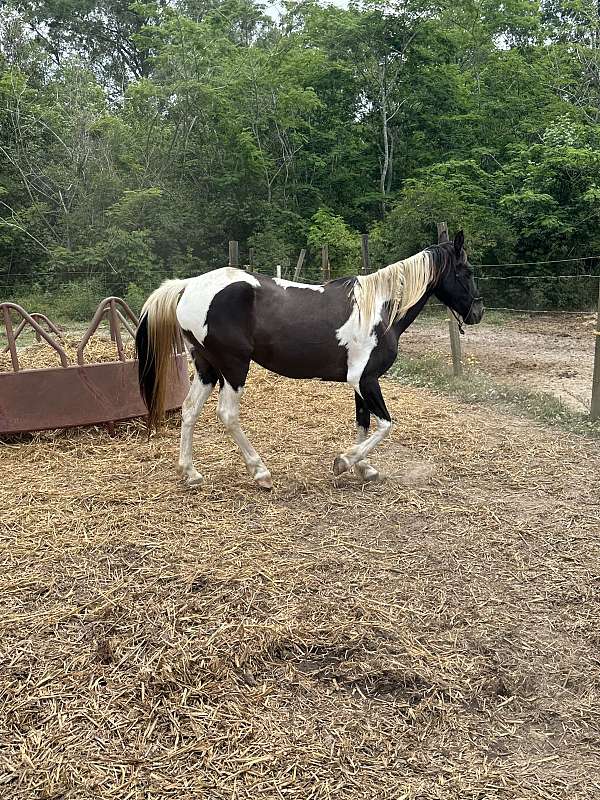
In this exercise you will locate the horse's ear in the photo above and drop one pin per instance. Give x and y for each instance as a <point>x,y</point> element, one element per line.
<point>459,242</point>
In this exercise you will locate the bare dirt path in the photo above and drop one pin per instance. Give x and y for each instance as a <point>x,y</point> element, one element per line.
<point>549,353</point>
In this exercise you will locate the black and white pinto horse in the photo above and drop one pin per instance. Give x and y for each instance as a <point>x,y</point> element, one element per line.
<point>346,330</point>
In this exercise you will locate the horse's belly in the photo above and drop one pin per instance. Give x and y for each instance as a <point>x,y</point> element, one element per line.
<point>295,354</point>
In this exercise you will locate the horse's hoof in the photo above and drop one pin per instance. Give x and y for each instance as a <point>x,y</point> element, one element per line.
<point>266,482</point>
<point>340,465</point>
<point>190,478</point>
<point>368,474</point>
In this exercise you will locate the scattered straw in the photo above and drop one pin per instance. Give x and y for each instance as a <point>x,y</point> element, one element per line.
<point>432,636</point>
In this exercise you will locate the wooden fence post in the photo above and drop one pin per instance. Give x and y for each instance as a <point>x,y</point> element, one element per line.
<point>234,254</point>
<point>300,263</point>
<point>11,339</point>
<point>325,266</point>
<point>595,407</point>
<point>251,256</point>
<point>278,271</point>
<point>364,247</point>
<point>442,231</point>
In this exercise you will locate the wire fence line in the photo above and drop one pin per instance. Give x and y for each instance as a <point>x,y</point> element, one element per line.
<point>518,293</point>
<point>580,276</point>
<point>532,263</point>
<point>549,311</point>
<point>540,311</point>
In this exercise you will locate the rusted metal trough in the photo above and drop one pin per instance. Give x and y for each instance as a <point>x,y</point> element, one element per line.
<point>77,394</point>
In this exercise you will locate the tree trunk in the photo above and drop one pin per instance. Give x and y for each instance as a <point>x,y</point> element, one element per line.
<point>390,175</point>
<point>385,135</point>
<point>386,158</point>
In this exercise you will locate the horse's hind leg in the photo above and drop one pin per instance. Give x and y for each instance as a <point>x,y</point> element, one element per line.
<point>202,385</point>
<point>228,409</point>
<point>363,420</point>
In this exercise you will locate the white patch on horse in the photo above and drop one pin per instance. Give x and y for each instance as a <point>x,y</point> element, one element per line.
<point>293,285</point>
<point>362,449</point>
<point>359,343</point>
<point>361,434</point>
<point>199,294</point>
<point>363,468</point>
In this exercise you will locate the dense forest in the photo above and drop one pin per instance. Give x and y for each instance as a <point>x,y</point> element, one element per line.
<point>137,138</point>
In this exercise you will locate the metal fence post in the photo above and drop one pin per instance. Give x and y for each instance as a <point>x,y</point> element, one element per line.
<point>11,338</point>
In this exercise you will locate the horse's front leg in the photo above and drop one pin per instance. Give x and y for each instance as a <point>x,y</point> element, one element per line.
<point>373,400</point>
<point>363,421</point>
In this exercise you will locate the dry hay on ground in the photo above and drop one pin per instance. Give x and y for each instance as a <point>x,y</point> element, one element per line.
<point>422,638</point>
<point>42,356</point>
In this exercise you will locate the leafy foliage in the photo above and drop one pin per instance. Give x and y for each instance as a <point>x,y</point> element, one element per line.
<point>137,138</point>
<point>343,243</point>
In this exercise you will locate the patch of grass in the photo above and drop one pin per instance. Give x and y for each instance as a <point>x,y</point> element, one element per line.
<point>435,312</point>
<point>76,300</point>
<point>431,372</point>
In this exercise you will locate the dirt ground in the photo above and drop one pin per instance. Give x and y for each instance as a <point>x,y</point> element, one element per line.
<point>542,352</point>
<point>433,636</point>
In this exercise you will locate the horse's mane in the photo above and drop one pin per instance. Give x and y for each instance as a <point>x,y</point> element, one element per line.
<point>401,285</point>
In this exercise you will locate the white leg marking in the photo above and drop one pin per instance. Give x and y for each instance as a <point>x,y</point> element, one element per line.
<point>359,451</point>
<point>362,467</point>
<point>192,406</point>
<point>228,409</point>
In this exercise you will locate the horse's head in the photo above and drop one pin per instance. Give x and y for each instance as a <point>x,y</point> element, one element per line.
<point>456,286</point>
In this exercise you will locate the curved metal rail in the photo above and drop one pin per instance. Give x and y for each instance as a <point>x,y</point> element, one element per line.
<point>116,310</point>
<point>27,318</point>
<point>41,318</point>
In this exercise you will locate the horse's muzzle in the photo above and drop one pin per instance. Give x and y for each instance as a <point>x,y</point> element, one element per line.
<point>475,312</point>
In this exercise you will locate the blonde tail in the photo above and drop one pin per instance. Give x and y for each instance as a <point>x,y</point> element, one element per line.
<point>155,343</point>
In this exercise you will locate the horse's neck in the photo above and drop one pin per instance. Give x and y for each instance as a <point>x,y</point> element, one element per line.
<point>413,312</point>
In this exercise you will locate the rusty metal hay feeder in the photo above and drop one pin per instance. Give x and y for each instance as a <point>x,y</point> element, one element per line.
<point>82,393</point>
